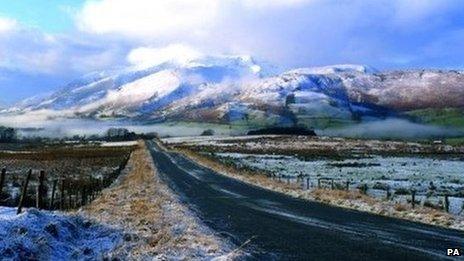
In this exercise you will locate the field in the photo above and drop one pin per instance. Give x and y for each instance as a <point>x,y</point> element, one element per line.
<point>313,147</point>
<point>73,173</point>
<point>444,117</point>
<point>115,207</point>
<point>389,170</point>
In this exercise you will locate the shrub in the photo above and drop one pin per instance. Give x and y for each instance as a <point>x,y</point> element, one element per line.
<point>381,186</point>
<point>363,188</point>
<point>400,207</point>
<point>402,191</point>
<point>7,134</point>
<point>208,132</point>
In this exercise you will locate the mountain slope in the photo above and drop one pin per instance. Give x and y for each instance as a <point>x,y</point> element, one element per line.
<point>236,89</point>
<point>409,90</point>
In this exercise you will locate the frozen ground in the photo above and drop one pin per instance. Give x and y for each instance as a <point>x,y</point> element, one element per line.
<point>43,235</point>
<point>304,145</point>
<point>431,178</point>
<point>118,144</point>
<point>388,168</point>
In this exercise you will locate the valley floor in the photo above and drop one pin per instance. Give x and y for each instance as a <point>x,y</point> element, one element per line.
<point>197,150</point>
<point>274,226</point>
<point>137,218</point>
<point>142,216</point>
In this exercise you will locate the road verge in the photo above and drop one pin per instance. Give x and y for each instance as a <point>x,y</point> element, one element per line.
<point>346,199</point>
<point>156,224</point>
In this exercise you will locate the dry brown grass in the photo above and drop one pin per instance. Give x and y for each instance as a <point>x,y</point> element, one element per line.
<point>157,225</point>
<point>347,199</point>
<point>68,152</point>
<point>252,177</point>
<point>400,207</point>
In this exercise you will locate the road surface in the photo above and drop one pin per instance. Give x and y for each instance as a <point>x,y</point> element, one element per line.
<point>285,228</point>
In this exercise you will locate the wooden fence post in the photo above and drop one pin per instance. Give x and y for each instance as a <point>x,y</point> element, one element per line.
<point>332,184</point>
<point>24,191</point>
<point>2,180</point>
<point>413,198</point>
<point>363,188</point>
<point>83,195</point>
<point>347,187</point>
<point>69,199</point>
<point>62,195</point>
<point>40,190</point>
<point>318,183</point>
<point>70,185</point>
<point>52,200</point>
<point>100,185</point>
<point>446,203</point>
<point>77,201</point>
<point>307,183</point>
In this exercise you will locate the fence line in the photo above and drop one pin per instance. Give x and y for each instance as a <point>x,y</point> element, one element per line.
<point>78,191</point>
<point>331,183</point>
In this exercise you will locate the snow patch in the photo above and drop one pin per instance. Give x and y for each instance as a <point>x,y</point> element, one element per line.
<point>43,235</point>
<point>118,144</point>
<point>333,69</point>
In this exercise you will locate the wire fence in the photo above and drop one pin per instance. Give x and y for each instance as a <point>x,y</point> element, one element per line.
<point>63,193</point>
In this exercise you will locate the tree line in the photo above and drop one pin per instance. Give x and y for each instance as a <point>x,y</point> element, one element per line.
<point>10,135</point>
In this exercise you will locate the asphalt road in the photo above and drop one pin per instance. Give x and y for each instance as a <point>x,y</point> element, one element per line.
<point>285,228</point>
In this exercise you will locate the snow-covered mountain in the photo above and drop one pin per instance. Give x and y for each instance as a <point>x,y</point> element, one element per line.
<point>236,89</point>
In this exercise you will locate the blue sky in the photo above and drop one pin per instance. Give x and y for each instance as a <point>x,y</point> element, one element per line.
<point>51,16</point>
<point>44,44</point>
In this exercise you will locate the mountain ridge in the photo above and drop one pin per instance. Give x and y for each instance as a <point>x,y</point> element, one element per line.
<point>237,89</point>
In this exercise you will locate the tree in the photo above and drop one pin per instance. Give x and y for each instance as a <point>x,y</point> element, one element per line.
<point>119,134</point>
<point>208,132</point>
<point>290,99</point>
<point>7,134</point>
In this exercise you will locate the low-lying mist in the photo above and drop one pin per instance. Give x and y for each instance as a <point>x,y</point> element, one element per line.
<point>393,129</point>
<point>63,127</point>
<point>42,125</point>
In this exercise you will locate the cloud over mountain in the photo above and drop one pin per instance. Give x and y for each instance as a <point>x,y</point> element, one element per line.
<point>387,34</point>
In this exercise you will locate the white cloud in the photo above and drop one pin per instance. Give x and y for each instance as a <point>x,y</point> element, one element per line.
<point>147,18</point>
<point>28,50</point>
<point>34,52</point>
<point>32,61</point>
<point>274,3</point>
<point>7,24</point>
<point>285,32</point>
<point>166,18</point>
<point>146,57</point>
<point>288,33</point>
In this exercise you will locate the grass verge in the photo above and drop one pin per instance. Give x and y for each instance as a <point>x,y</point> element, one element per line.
<point>347,199</point>
<point>156,224</point>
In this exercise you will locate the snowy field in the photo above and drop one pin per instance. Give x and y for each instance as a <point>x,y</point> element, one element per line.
<point>387,168</point>
<point>42,235</point>
<point>431,178</point>
<point>290,145</point>
<point>119,144</point>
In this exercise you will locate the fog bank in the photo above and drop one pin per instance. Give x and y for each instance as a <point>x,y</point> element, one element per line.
<point>394,129</point>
